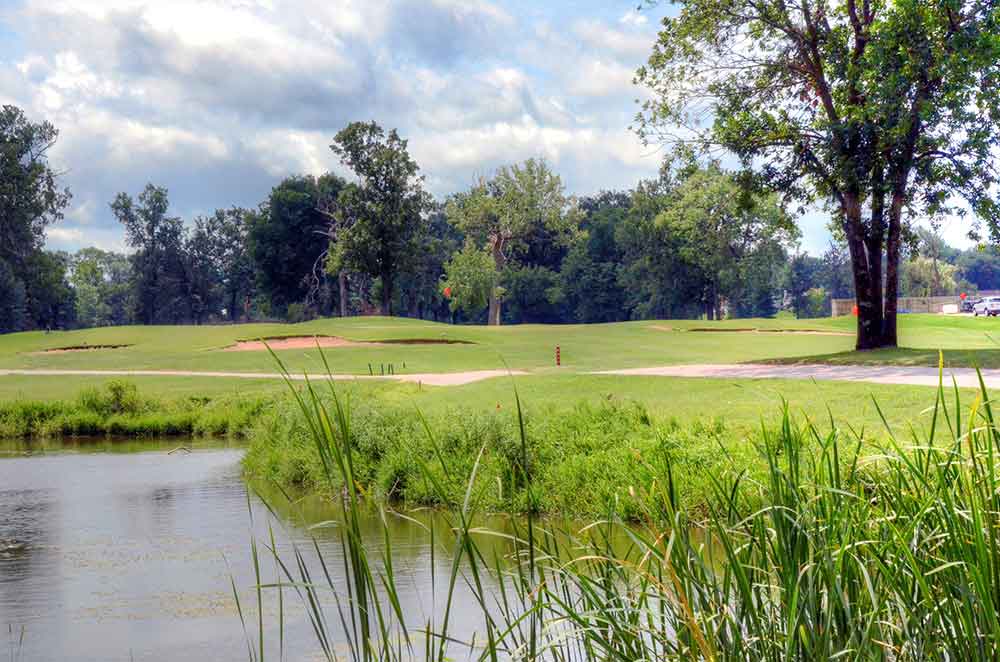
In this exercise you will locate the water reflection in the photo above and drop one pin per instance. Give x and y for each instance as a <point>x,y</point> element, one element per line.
<point>130,555</point>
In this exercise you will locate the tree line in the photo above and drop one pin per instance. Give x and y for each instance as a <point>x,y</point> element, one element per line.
<point>515,247</point>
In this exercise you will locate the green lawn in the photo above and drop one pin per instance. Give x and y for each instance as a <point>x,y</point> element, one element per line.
<point>564,405</point>
<point>965,340</point>
<point>526,347</point>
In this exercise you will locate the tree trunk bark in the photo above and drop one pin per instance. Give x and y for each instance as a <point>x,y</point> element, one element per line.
<point>342,285</point>
<point>892,248</point>
<point>867,281</point>
<point>386,310</point>
<point>499,261</point>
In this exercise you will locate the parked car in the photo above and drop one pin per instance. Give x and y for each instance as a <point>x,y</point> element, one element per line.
<point>988,306</point>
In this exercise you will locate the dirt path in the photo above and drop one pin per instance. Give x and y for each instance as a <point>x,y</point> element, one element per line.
<point>912,375</point>
<point>430,379</point>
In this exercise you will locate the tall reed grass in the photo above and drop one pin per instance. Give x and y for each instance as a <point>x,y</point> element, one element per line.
<point>118,409</point>
<point>833,555</point>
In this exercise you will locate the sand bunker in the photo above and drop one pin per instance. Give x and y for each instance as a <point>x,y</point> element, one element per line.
<point>79,348</point>
<point>328,342</point>
<point>295,342</point>
<point>811,332</point>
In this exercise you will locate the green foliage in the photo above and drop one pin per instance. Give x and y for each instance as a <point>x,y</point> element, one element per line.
<point>722,230</point>
<point>116,397</point>
<point>33,288</point>
<point>589,274</point>
<point>817,303</point>
<point>380,219</point>
<point>470,277</point>
<point>101,283</point>
<point>509,214</point>
<point>804,550</point>
<point>870,108</point>
<point>533,294</point>
<point>158,261</point>
<point>296,313</point>
<point>584,459</point>
<point>926,277</point>
<point>30,198</point>
<point>13,301</point>
<point>288,238</point>
<point>119,409</point>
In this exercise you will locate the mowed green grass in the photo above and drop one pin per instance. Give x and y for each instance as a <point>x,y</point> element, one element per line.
<point>740,403</point>
<point>966,341</point>
<point>523,347</point>
<point>526,347</point>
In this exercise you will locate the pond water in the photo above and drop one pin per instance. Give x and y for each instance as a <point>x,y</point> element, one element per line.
<point>126,551</point>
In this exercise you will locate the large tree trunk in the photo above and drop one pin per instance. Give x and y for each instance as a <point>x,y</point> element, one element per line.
<point>386,309</point>
<point>866,265</point>
<point>342,284</point>
<point>499,260</point>
<point>892,249</point>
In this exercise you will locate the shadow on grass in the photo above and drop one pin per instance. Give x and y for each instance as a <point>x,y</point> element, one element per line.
<point>900,356</point>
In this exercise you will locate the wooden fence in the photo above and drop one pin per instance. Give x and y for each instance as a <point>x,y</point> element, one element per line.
<point>909,304</point>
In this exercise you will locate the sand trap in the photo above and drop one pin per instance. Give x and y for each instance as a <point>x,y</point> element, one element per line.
<point>424,341</point>
<point>330,342</point>
<point>660,327</point>
<point>295,342</point>
<point>79,348</point>
<point>810,332</point>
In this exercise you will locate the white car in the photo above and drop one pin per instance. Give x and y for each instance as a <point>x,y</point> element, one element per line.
<point>988,306</point>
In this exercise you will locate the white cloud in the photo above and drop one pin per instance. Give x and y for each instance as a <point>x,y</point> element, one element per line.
<point>632,45</point>
<point>633,18</point>
<point>219,99</point>
<point>64,234</point>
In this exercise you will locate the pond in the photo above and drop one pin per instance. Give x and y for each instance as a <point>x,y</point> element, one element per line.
<point>128,551</point>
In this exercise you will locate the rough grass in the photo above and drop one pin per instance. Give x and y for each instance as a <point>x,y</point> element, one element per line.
<point>827,554</point>
<point>118,409</point>
<point>586,459</point>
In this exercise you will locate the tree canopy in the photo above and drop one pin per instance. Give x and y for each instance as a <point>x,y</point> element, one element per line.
<point>876,109</point>
<point>381,217</point>
<point>502,213</point>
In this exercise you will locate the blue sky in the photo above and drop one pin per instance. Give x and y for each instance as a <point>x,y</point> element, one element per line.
<point>219,99</point>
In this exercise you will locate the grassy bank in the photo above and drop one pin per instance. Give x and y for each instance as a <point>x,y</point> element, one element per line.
<point>118,408</point>
<point>584,458</point>
<point>594,441</point>
<point>826,554</point>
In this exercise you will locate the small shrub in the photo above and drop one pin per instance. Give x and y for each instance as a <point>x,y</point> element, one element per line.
<point>116,397</point>
<point>297,312</point>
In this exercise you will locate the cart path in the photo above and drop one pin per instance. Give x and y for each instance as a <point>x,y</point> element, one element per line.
<point>908,375</point>
<point>911,375</point>
<point>429,378</point>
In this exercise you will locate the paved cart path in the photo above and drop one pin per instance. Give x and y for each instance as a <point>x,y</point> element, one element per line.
<point>913,375</point>
<point>429,379</point>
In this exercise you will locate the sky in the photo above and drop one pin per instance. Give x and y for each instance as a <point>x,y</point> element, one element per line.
<point>218,100</point>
